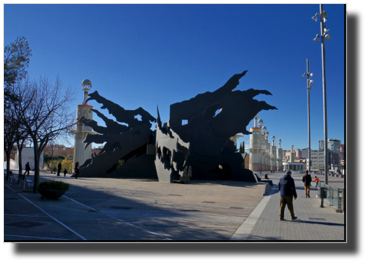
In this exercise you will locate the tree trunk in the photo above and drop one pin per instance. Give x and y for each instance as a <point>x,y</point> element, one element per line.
<point>19,164</point>
<point>36,173</point>
<point>8,152</point>
<point>20,147</point>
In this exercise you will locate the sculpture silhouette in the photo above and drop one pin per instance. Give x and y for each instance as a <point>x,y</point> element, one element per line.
<point>202,143</point>
<point>212,153</point>
<point>125,146</point>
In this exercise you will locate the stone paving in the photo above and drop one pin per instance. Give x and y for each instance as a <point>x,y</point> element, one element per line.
<point>146,210</point>
<point>313,223</point>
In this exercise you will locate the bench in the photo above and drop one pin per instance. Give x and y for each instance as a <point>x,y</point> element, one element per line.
<point>25,181</point>
<point>11,176</point>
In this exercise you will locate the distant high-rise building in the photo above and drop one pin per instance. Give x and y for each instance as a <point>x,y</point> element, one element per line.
<point>298,153</point>
<point>333,145</point>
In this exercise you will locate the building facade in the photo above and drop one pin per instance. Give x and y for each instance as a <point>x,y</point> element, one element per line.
<point>334,145</point>
<point>335,149</point>
<point>317,159</point>
<point>29,156</point>
<point>263,156</point>
<point>292,163</point>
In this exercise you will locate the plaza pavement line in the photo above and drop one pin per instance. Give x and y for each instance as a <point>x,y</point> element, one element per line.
<point>27,236</point>
<point>53,217</point>
<point>128,223</point>
<point>243,232</point>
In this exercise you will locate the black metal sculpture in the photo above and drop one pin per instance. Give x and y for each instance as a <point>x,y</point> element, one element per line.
<point>172,154</point>
<point>202,142</point>
<point>125,151</point>
<point>212,154</point>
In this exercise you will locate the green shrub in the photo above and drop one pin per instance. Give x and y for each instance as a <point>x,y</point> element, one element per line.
<point>65,164</point>
<point>48,158</point>
<point>54,185</point>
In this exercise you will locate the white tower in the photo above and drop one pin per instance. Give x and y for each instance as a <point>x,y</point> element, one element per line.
<point>279,156</point>
<point>263,146</point>
<point>255,148</point>
<point>81,154</point>
<point>273,155</point>
<point>292,154</point>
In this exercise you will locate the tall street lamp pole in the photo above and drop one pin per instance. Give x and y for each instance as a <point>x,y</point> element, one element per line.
<point>324,36</point>
<point>309,82</point>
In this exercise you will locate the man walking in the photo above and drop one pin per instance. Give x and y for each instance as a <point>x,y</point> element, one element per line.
<point>59,169</point>
<point>27,169</point>
<point>307,184</point>
<point>287,191</point>
<point>76,170</point>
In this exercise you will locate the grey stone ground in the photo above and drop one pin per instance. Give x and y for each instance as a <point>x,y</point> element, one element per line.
<point>146,210</point>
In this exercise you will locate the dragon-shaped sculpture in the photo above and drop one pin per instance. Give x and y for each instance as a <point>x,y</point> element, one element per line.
<point>134,150</point>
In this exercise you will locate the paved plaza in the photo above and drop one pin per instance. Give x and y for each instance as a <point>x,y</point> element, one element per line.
<point>98,209</point>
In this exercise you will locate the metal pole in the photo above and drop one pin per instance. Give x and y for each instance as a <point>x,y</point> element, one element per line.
<point>309,117</point>
<point>326,169</point>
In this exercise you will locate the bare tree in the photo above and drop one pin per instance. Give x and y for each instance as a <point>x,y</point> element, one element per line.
<point>50,148</point>
<point>24,98</point>
<point>21,137</point>
<point>16,60</point>
<point>14,131</point>
<point>10,129</point>
<point>47,116</point>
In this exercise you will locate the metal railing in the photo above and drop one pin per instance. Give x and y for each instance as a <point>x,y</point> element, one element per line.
<point>335,197</point>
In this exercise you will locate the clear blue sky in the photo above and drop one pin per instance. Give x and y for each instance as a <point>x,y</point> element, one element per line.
<point>157,55</point>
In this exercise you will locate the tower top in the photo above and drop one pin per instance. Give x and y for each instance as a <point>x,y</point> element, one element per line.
<point>86,83</point>
<point>260,122</point>
<point>256,120</point>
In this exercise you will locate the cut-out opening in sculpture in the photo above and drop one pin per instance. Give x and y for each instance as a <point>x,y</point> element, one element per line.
<point>138,117</point>
<point>184,122</point>
<point>217,112</point>
<point>166,158</point>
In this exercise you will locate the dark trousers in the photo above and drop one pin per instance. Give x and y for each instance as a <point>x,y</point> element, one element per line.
<point>286,200</point>
<point>307,190</point>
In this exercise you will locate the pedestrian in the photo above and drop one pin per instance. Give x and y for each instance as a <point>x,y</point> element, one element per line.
<point>64,172</point>
<point>266,176</point>
<point>317,181</point>
<point>59,169</point>
<point>307,184</point>
<point>287,192</point>
<point>27,169</point>
<point>76,170</point>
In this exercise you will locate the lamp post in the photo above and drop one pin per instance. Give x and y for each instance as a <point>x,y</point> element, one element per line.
<point>324,36</point>
<point>309,82</point>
